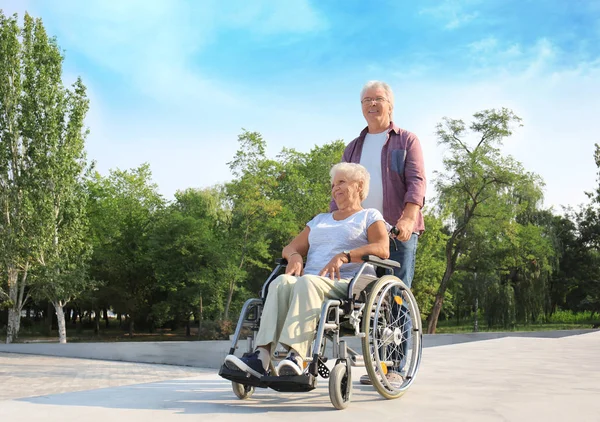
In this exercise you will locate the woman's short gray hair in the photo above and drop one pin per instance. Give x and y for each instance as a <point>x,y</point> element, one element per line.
<point>355,173</point>
<point>382,85</point>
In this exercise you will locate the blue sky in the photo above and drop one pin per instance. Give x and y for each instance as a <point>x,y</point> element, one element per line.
<point>173,83</point>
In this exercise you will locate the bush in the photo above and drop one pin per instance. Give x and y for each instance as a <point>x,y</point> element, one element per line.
<point>569,317</point>
<point>216,330</point>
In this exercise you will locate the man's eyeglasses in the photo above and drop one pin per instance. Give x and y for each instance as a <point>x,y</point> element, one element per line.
<point>369,100</point>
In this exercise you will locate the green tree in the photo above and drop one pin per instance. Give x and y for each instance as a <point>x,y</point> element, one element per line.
<point>254,212</point>
<point>430,262</point>
<point>589,217</point>
<point>121,209</point>
<point>41,159</point>
<point>588,223</point>
<point>478,187</point>
<point>270,202</point>
<point>305,180</point>
<point>186,249</point>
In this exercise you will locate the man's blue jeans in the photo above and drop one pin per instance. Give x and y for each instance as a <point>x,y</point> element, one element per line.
<point>405,254</point>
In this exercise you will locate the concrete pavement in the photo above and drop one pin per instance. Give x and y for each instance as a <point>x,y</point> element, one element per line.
<point>209,354</point>
<point>506,379</point>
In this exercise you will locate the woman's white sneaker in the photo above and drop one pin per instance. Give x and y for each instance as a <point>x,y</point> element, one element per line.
<point>291,365</point>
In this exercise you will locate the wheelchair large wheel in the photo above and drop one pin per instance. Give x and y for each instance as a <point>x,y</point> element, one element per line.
<point>393,342</point>
<point>340,386</point>
<point>242,391</point>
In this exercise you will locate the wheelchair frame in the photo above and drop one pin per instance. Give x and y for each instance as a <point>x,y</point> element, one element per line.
<point>373,335</point>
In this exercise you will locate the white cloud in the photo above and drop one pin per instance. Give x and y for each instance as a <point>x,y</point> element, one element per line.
<point>155,45</point>
<point>272,16</point>
<point>559,108</point>
<point>453,13</point>
<point>188,141</point>
<point>485,45</point>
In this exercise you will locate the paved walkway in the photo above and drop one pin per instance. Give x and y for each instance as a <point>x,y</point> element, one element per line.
<point>508,379</point>
<point>29,375</point>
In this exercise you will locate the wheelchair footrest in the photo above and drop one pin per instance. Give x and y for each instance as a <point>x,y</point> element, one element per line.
<point>291,383</point>
<point>241,377</point>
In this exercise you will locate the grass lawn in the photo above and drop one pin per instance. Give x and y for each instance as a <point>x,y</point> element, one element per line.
<point>446,327</point>
<point>559,320</point>
<point>211,330</point>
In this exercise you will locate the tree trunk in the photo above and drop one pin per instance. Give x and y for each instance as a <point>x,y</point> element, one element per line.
<point>200,316</point>
<point>476,321</point>
<point>435,311</point>
<point>79,324</point>
<point>97,321</point>
<point>232,282</point>
<point>130,327</point>
<point>14,319</point>
<point>453,250</point>
<point>229,298</point>
<point>16,293</point>
<point>62,324</point>
<point>439,297</point>
<point>105,311</point>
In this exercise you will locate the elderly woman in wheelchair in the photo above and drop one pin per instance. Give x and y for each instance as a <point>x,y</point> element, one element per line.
<point>309,301</point>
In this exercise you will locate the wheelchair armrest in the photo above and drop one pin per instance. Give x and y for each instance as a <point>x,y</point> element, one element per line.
<point>281,261</point>
<point>385,263</point>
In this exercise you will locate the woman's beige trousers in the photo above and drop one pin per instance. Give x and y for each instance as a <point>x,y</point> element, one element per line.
<point>292,310</point>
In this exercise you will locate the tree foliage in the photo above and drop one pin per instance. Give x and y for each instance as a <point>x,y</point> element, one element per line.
<point>42,162</point>
<point>480,192</point>
<point>80,239</point>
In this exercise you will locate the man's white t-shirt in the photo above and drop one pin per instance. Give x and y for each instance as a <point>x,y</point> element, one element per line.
<point>328,237</point>
<point>371,160</point>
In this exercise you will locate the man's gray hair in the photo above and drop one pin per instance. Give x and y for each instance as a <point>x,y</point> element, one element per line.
<point>355,173</point>
<point>379,84</point>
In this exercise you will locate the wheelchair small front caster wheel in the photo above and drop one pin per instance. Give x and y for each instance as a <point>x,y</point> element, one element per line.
<point>340,386</point>
<point>242,391</point>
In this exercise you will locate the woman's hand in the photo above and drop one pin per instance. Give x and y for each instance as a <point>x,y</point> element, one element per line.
<point>295,265</point>
<point>332,269</point>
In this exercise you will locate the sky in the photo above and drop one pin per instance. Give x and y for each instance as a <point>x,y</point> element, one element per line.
<point>173,83</point>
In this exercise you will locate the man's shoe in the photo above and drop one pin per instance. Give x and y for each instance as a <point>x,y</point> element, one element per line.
<point>393,378</point>
<point>249,363</point>
<point>291,365</point>
<point>366,380</point>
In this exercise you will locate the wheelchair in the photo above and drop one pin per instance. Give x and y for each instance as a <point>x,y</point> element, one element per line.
<point>382,312</point>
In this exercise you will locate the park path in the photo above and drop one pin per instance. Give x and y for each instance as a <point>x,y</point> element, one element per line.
<point>506,379</point>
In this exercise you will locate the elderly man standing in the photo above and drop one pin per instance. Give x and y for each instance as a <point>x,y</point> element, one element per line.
<point>394,159</point>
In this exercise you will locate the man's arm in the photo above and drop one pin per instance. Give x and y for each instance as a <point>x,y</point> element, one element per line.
<point>414,173</point>
<point>414,198</point>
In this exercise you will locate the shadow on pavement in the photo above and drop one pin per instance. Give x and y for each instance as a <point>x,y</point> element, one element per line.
<point>202,397</point>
